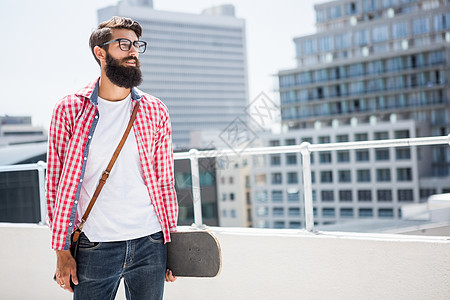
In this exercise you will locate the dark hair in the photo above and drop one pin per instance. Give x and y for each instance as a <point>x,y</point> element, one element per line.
<point>103,32</point>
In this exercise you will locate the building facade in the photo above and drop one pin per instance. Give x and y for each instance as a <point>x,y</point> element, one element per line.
<point>234,193</point>
<point>374,58</point>
<point>374,70</point>
<point>347,184</point>
<point>195,63</point>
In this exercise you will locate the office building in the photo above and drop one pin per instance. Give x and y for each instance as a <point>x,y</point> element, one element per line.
<point>375,69</point>
<point>195,63</point>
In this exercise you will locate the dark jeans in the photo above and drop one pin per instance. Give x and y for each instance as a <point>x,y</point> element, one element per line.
<point>140,262</point>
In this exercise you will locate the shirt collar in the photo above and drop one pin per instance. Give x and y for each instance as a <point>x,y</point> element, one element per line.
<point>91,92</point>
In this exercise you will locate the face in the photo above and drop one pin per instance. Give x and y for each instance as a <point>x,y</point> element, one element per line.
<point>123,67</point>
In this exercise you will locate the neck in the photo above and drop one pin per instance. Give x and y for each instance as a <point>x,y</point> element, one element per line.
<point>109,91</point>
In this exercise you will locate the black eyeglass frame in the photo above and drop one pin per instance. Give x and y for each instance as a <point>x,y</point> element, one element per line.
<point>136,44</point>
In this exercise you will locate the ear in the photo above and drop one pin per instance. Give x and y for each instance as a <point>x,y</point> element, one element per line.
<point>100,53</point>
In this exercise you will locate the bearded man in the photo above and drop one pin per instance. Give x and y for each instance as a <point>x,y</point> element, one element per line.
<point>127,230</point>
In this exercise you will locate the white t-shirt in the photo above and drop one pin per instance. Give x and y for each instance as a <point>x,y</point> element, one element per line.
<point>123,210</point>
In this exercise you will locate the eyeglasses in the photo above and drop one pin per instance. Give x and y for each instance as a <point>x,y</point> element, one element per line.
<point>125,45</point>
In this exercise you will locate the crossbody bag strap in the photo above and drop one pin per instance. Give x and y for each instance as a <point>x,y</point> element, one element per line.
<point>105,174</point>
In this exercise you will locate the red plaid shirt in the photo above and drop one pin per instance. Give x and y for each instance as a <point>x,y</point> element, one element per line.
<point>73,123</point>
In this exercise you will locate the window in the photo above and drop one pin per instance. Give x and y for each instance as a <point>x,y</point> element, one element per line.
<point>276,178</point>
<point>278,211</point>
<point>421,26</point>
<point>233,213</point>
<point>361,137</point>
<point>327,195</point>
<point>260,179</point>
<point>404,174</point>
<point>292,177</point>
<point>381,135</point>
<point>365,213</point>
<point>425,193</point>
<point>279,224</point>
<point>382,154</point>
<point>261,196</point>
<point>262,211</point>
<point>277,196</point>
<point>275,160</point>
<point>362,155</point>
<point>291,159</point>
<point>325,157</point>
<point>290,142</point>
<point>342,138</point>
<point>385,213</point>
<point>231,180</point>
<point>274,143</point>
<point>364,196</point>
<point>345,196</point>
<point>328,212</point>
<point>346,212</point>
<point>401,134</point>
<point>231,196</point>
<point>295,224</point>
<point>344,176</point>
<point>384,196</point>
<point>326,176</point>
<point>224,196</point>
<point>324,139</point>
<point>351,8</point>
<point>363,175</point>
<point>293,196</point>
<point>294,211</point>
<point>383,175</point>
<point>405,195</point>
<point>403,153</point>
<point>380,33</point>
<point>343,156</point>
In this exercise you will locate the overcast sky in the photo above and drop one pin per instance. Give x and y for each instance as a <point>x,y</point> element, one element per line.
<point>45,53</point>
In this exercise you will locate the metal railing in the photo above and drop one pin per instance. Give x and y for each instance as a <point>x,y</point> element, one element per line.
<point>305,149</point>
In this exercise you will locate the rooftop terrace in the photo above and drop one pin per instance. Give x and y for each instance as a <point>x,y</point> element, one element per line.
<point>266,263</point>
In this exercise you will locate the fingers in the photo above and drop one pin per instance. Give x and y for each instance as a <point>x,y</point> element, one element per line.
<point>66,268</point>
<point>169,276</point>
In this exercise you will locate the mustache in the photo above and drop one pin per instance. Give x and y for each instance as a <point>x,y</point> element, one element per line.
<point>136,60</point>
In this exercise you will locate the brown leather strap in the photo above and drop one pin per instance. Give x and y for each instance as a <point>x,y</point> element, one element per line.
<point>105,174</point>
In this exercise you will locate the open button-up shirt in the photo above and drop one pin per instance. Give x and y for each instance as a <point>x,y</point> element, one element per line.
<point>73,124</point>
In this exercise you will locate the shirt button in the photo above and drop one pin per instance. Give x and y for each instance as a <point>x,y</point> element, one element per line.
<point>70,224</point>
<point>76,202</point>
<point>89,137</point>
<point>85,158</point>
<point>96,117</point>
<point>81,180</point>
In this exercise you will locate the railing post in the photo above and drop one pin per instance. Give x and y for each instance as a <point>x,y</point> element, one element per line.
<point>43,202</point>
<point>307,186</point>
<point>196,195</point>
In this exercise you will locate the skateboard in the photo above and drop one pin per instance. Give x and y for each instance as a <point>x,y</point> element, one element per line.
<point>194,254</point>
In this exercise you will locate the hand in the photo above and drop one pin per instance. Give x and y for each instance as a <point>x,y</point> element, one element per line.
<point>169,276</point>
<point>66,267</point>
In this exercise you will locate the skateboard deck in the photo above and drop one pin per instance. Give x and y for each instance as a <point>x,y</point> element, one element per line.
<point>194,254</point>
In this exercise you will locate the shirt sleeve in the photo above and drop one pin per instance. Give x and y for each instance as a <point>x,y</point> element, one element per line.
<point>58,137</point>
<point>164,169</point>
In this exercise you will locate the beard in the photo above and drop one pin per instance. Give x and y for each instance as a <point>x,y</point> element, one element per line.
<point>123,76</point>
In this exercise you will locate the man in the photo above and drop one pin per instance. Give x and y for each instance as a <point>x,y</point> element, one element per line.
<point>127,230</point>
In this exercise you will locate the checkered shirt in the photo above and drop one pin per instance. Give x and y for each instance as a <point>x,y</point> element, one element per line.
<point>73,123</point>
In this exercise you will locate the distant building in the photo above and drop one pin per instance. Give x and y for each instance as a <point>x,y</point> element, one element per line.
<point>234,194</point>
<point>347,184</point>
<point>196,64</point>
<point>19,130</point>
<point>374,70</point>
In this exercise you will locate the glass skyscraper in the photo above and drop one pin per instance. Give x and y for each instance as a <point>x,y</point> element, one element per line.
<point>195,63</point>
